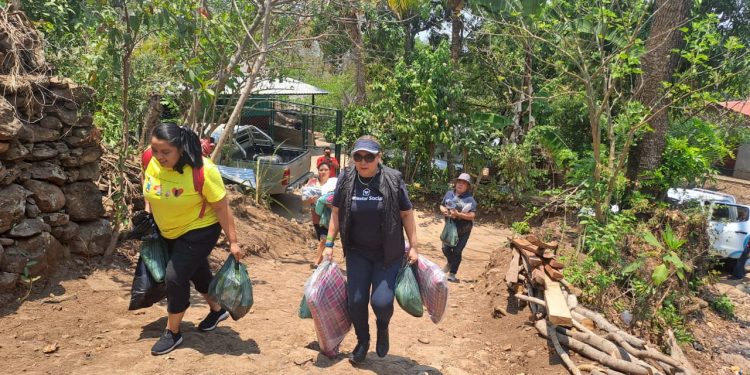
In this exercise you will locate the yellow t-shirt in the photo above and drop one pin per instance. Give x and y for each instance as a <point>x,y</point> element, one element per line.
<point>174,202</point>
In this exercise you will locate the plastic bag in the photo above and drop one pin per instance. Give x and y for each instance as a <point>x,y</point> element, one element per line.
<point>450,233</point>
<point>232,289</point>
<point>154,254</point>
<point>145,291</point>
<point>326,298</point>
<point>303,312</point>
<point>407,292</point>
<point>433,287</point>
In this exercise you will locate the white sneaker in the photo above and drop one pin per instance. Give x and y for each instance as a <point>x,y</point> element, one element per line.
<point>452,278</point>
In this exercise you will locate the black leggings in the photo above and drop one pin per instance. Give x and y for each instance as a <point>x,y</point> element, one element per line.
<point>188,261</point>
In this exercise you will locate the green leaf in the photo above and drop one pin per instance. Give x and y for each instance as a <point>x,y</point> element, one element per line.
<point>651,239</point>
<point>661,273</point>
<point>632,267</point>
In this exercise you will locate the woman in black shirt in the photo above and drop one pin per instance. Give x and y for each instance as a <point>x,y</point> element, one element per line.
<point>372,210</point>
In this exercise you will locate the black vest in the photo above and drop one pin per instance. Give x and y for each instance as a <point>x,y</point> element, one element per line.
<point>390,223</point>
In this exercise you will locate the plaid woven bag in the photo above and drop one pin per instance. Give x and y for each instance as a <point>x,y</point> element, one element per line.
<point>433,287</point>
<point>326,298</point>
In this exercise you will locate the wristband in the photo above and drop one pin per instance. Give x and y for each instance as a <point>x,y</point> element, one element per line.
<point>329,244</point>
<point>329,238</point>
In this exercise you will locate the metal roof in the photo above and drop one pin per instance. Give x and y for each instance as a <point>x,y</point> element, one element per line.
<point>286,86</point>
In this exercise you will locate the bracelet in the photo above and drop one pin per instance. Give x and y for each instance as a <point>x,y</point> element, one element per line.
<point>329,244</point>
<point>329,238</point>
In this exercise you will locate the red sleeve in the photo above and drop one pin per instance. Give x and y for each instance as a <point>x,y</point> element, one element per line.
<point>146,158</point>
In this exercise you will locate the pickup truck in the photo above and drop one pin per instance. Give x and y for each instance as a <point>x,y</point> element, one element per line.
<point>728,222</point>
<point>253,159</point>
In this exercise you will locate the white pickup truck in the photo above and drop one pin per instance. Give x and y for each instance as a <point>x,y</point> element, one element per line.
<point>728,222</point>
<point>252,158</point>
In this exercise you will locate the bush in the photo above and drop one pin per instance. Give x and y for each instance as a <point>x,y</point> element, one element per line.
<point>521,227</point>
<point>724,306</point>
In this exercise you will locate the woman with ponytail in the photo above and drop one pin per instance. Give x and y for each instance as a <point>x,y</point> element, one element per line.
<point>185,194</point>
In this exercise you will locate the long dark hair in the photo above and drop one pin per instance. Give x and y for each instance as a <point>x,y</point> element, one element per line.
<point>185,140</point>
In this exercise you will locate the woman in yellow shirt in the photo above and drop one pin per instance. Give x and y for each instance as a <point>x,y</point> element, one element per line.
<point>190,221</point>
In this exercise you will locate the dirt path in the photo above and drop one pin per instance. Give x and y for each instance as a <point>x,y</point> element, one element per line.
<point>96,334</point>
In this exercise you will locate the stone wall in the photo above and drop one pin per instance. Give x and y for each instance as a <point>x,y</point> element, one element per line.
<point>50,204</point>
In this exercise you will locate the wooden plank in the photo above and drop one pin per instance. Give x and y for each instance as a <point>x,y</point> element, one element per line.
<point>534,240</point>
<point>548,254</point>
<point>514,268</point>
<point>537,276</point>
<point>557,309</point>
<point>555,264</point>
<point>530,257</point>
<point>526,245</point>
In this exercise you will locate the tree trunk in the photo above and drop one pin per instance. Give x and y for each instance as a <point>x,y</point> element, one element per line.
<point>255,70</point>
<point>457,27</point>
<point>409,41</point>
<point>355,34</point>
<point>153,113</point>
<point>658,65</point>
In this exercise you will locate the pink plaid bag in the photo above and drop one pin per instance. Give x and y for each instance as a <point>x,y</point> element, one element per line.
<point>433,287</point>
<point>326,297</point>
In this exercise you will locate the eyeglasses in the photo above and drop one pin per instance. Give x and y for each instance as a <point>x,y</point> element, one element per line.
<point>368,158</point>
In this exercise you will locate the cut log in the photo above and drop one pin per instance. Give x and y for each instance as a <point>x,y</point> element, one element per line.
<point>676,351</point>
<point>553,245</point>
<point>554,274</point>
<point>592,353</point>
<point>652,354</point>
<point>528,246</point>
<point>571,288</point>
<point>533,260</point>
<point>560,351</point>
<point>548,255</point>
<point>557,308</point>
<point>592,339</point>
<point>514,268</point>
<point>556,265</point>
<point>605,325</point>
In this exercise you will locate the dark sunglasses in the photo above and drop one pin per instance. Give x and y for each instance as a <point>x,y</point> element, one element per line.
<point>369,158</point>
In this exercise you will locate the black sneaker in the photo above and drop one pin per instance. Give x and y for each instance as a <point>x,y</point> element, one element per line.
<point>167,342</point>
<point>382,344</point>
<point>213,319</point>
<point>360,352</point>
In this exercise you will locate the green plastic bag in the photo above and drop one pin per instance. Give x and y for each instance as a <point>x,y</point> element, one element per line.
<point>154,254</point>
<point>232,289</point>
<point>407,292</point>
<point>304,311</point>
<point>450,233</point>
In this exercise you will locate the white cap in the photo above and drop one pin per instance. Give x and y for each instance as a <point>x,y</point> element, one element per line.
<point>464,177</point>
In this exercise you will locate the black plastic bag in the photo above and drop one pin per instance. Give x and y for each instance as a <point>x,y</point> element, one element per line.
<point>232,289</point>
<point>145,291</point>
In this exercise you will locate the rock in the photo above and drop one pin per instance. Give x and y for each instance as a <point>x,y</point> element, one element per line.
<point>65,233</point>
<point>4,146</point>
<point>300,356</point>
<point>66,116</point>
<point>34,133</point>
<point>424,340</point>
<point>13,262</point>
<point>697,346</point>
<point>87,172</point>
<point>42,151</point>
<point>507,348</point>
<point>531,353</point>
<point>9,124</point>
<point>48,197</point>
<point>51,348</point>
<point>56,219</point>
<point>47,171</point>
<point>32,210</point>
<point>13,203</point>
<point>44,250</point>
<point>16,151</point>
<point>7,241</point>
<point>50,122</point>
<point>10,176</point>
<point>8,281</point>
<point>85,121</point>
<point>736,360</point>
<point>83,201</point>
<point>28,228</point>
<point>93,238</point>
<point>87,155</point>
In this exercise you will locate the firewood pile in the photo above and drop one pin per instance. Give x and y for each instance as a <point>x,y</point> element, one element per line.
<point>535,277</point>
